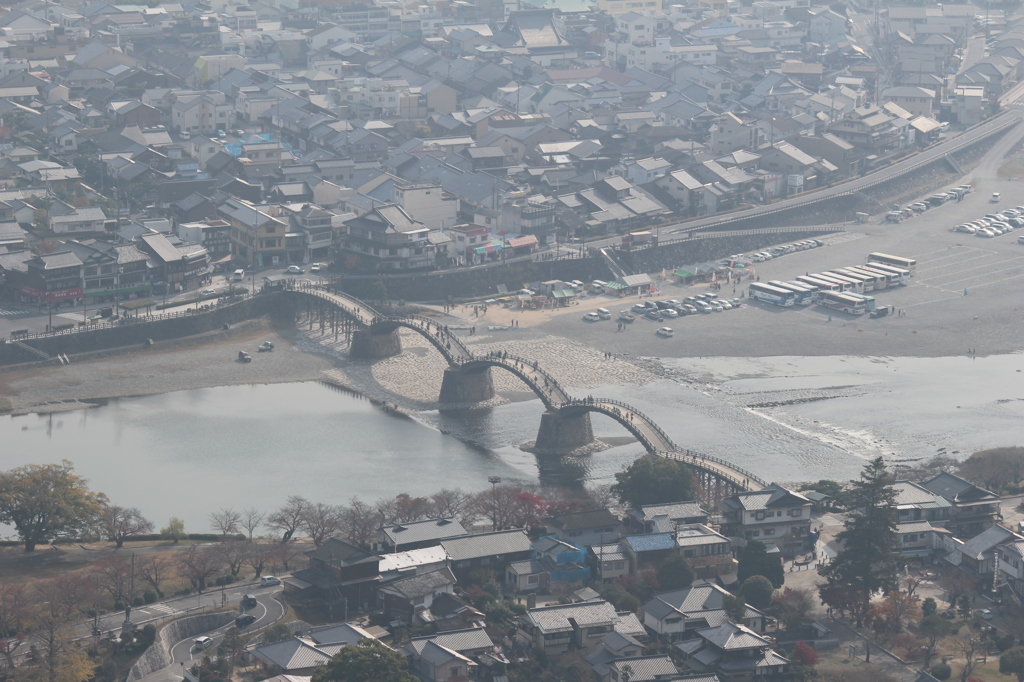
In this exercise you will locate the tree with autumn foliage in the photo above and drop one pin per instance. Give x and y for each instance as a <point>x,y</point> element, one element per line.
<point>804,654</point>
<point>510,506</point>
<point>895,611</point>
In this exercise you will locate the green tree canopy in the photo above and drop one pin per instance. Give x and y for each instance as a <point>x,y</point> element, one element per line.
<point>47,501</point>
<point>866,564</point>
<point>756,560</point>
<point>1012,662</point>
<point>368,660</point>
<point>174,530</point>
<point>675,574</point>
<point>757,591</point>
<point>654,480</point>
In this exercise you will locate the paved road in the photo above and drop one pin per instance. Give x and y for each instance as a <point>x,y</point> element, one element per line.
<point>267,611</point>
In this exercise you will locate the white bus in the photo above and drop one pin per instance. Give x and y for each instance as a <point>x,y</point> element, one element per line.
<point>819,284</point>
<point>879,280</point>
<point>867,281</point>
<point>804,294</point>
<point>829,277</point>
<point>902,276</point>
<point>771,294</point>
<point>843,302</point>
<point>856,284</point>
<point>908,264</point>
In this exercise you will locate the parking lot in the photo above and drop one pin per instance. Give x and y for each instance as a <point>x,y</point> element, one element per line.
<point>940,318</point>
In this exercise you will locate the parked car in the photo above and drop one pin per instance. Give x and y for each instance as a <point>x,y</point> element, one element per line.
<point>725,305</point>
<point>591,317</point>
<point>988,233</point>
<point>995,197</point>
<point>664,331</point>
<point>716,306</point>
<point>670,312</point>
<point>969,229</point>
<point>625,316</point>
<point>918,207</point>
<point>654,315</point>
<point>690,310</point>
<point>702,306</point>
<point>604,313</point>
<point>207,292</point>
<point>639,308</point>
<point>757,258</point>
<point>268,580</point>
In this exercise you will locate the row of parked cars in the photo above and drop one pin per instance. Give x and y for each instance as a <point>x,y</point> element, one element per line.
<point>994,224</point>
<point>691,305</point>
<point>777,251</point>
<point>935,200</point>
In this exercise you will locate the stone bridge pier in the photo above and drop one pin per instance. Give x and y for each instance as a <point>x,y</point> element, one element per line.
<point>370,345</point>
<point>467,385</point>
<point>562,431</point>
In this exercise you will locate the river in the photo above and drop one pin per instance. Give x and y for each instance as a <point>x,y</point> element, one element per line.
<point>188,453</point>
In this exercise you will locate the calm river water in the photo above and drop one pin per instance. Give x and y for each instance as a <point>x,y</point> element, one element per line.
<point>788,419</point>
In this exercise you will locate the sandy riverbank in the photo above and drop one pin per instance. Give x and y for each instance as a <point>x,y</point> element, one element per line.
<point>181,365</point>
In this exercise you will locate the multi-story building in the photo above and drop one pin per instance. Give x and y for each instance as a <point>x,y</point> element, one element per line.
<point>214,235</point>
<point>774,515</point>
<point>973,509</point>
<point>916,503</point>
<point>257,237</point>
<point>387,238</point>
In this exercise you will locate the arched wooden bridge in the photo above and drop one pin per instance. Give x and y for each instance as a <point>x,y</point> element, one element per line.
<point>564,426</point>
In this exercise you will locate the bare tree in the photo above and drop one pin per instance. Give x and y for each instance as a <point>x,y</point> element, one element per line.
<point>59,602</point>
<point>321,521</point>
<point>451,503</point>
<point>602,496</point>
<point>360,523</point>
<point>286,553</point>
<point>225,521</point>
<point>121,523</point>
<point>252,518</point>
<point>198,564</point>
<point>15,619</point>
<point>258,555</point>
<point>232,555</point>
<point>288,518</point>
<point>969,647</point>
<point>155,570</point>
<point>114,575</point>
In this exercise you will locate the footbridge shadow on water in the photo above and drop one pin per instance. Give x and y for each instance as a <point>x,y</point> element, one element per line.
<point>565,424</point>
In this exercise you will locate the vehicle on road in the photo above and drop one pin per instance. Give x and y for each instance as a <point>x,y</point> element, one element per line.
<point>665,331</point>
<point>207,292</point>
<point>245,620</point>
<point>591,317</point>
<point>995,197</point>
<point>985,614</point>
<point>625,316</point>
<point>639,308</point>
<point>203,642</point>
<point>265,346</point>
<point>268,580</point>
<point>239,275</point>
<point>315,267</point>
<point>893,217</point>
<point>243,356</point>
<point>295,270</point>
<point>249,601</point>
<point>604,313</point>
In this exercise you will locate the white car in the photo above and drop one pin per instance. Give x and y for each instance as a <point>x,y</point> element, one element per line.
<point>268,580</point>
<point>315,267</point>
<point>669,312</point>
<point>969,229</point>
<point>604,313</point>
<point>591,317</point>
<point>757,258</point>
<point>985,614</point>
<point>664,331</point>
<point>716,306</point>
<point>985,233</point>
<point>207,292</point>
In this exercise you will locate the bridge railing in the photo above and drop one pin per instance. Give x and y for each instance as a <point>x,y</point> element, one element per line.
<point>694,456</point>
<point>557,395</point>
<point>650,422</point>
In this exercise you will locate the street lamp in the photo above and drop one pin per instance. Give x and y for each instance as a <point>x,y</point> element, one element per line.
<point>494,481</point>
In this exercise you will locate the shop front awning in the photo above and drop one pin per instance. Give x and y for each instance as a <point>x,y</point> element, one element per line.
<point>563,293</point>
<point>684,273</point>
<point>520,242</point>
<point>221,261</point>
<point>487,248</point>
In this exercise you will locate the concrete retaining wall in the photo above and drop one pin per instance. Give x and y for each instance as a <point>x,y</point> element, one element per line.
<point>139,332</point>
<point>158,655</point>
